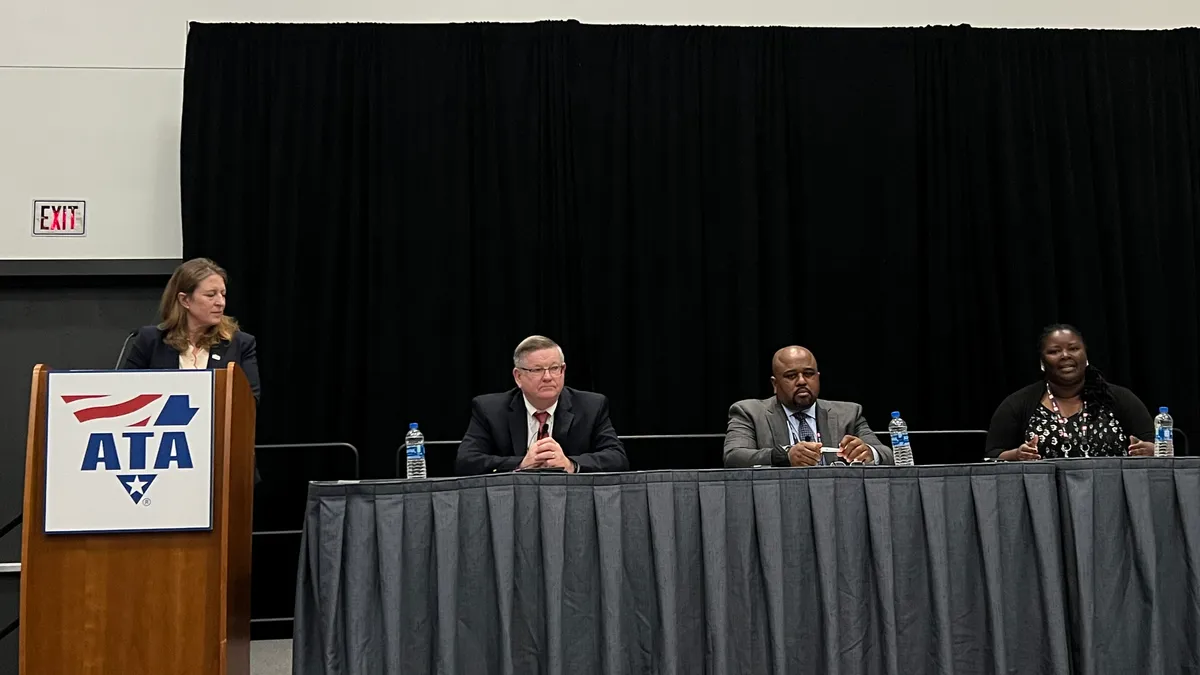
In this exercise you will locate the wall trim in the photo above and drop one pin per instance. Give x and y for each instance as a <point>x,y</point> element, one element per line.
<point>115,267</point>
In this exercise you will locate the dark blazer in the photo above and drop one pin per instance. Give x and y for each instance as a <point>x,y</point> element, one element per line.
<point>149,352</point>
<point>496,437</point>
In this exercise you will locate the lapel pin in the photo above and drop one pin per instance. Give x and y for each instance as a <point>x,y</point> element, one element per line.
<point>216,357</point>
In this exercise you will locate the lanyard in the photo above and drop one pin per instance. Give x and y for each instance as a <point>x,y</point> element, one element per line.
<point>1062,421</point>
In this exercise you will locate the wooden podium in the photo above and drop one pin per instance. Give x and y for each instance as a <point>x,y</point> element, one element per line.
<point>158,603</point>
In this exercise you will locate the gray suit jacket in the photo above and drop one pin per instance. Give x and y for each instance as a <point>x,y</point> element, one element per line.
<point>758,429</point>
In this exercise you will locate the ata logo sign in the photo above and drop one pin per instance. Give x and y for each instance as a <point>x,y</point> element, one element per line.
<point>59,218</point>
<point>112,436</point>
<point>173,452</point>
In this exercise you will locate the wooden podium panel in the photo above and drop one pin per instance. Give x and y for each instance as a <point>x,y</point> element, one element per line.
<point>169,603</point>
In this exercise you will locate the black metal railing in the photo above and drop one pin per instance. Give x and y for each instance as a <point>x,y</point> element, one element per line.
<point>306,446</point>
<point>12,525</point>
<point>9,527</point>
<point>400,451</point>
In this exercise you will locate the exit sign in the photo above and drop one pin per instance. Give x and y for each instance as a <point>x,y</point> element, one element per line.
<point>54,218</point>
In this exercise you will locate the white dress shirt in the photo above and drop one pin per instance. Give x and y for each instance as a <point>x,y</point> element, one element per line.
<point>532,423</point>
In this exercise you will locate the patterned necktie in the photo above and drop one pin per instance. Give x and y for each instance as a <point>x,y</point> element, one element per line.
<point>806,434</point>
<point>541,418</point>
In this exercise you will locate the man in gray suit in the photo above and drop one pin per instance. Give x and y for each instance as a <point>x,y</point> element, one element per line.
<point>790,428</point>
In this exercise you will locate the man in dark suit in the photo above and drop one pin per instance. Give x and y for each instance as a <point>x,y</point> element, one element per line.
<point>541,424</point>
<point>791,428</point>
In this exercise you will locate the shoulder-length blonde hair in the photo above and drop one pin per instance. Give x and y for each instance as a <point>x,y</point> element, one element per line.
<point>173,316</point>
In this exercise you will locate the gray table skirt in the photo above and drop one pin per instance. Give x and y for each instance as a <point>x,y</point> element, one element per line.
<point>1084,566</point>
<point>1131,534</point>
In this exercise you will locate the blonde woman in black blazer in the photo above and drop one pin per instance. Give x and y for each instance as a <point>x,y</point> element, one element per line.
<point>193,330</point>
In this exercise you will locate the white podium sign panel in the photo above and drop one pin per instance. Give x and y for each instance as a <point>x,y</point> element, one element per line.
<point>129,451</point>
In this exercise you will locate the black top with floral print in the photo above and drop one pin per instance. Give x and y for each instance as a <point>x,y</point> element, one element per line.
<point>1101,436</point>
<point>1022,415</point>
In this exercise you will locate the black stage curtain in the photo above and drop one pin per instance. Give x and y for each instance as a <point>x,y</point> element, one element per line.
<point>399,205</point>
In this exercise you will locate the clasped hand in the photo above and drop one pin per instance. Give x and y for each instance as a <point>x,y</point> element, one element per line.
<point>546,453</point>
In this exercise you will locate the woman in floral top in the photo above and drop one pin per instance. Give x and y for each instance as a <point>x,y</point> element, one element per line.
<point>1072,412</point>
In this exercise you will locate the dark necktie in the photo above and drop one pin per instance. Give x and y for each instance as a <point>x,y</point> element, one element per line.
<point>541,418</point>
<point>806,434</point>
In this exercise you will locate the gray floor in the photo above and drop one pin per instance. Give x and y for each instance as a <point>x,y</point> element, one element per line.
<point>271,657</point>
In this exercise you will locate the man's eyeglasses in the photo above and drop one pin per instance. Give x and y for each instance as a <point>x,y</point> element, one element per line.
<point>554,371</point>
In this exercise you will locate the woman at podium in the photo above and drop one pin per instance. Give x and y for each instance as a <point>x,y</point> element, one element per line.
<point>193,330</point>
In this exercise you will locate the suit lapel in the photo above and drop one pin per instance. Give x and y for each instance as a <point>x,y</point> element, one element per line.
<point>562,418</point>
<point>165,357</point>
<point>778,424</point>
<point>217,355</point>
<point>518,426</point>
<point>826,423</point>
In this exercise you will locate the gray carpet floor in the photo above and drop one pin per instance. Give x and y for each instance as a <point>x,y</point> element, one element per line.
<point>271,657</point>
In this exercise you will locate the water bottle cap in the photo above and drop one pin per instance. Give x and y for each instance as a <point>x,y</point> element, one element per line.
<point>895,414</point>
<point>1162,409</point>
<point>412,425</point>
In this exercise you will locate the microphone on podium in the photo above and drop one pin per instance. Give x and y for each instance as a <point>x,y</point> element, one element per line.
<point>124,345</point>
<point>545,432</point>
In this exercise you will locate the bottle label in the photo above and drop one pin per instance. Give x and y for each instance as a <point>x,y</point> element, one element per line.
<point>899,439</point>
<point>1163,434</point>
<point>416,452</point>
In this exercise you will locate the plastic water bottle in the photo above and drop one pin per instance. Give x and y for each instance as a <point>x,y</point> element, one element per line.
<point>414,444</point>
<point>901,449</point>
<point>1164,433</point>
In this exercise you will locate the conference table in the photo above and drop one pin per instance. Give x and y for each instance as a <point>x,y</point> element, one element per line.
<point>1068,566</point>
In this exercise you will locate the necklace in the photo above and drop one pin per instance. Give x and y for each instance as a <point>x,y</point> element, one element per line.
<point>1085,445</point>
